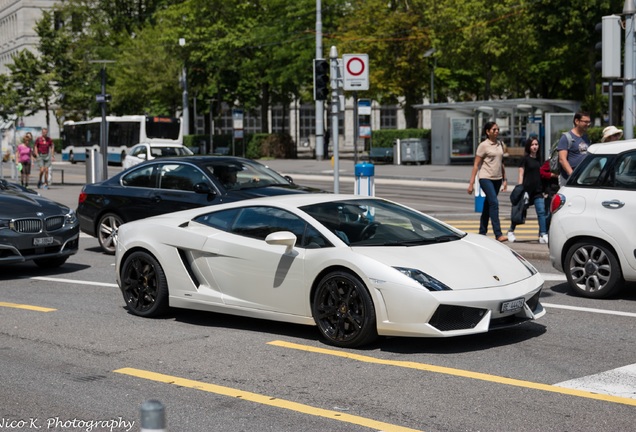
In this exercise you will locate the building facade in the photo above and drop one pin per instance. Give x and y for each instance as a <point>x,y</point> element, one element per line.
<point>17,32</point>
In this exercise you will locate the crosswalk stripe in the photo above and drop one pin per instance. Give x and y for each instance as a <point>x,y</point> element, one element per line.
<point>527,231</point>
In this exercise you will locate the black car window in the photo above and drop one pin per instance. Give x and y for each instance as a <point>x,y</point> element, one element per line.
<point>592,172</point>
<point>259,222</point>
<point>220,219</point>
<point>141,177</point>
<point>625,171</point>
<point>180,177</point>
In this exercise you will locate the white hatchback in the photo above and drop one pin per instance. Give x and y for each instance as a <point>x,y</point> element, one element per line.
<point>593,227</point>
<point>147,151</point>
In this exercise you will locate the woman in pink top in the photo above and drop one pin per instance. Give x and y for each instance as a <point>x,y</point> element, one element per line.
<point>25,156</point>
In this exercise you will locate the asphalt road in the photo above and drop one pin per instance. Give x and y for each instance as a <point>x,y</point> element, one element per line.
<point>72,356</point>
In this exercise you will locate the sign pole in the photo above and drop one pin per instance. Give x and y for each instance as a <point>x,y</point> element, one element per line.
<point>356,126</point>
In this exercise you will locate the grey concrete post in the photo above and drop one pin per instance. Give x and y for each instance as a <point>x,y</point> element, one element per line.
<point>153,416</point>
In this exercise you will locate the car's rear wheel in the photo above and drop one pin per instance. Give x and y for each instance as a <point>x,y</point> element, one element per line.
<point>593,270</point>
<point>107,232</point>
<point>343,310</point>
<point>144,285</point>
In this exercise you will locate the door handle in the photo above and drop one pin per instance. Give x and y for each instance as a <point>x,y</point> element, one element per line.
<point>613,204</point>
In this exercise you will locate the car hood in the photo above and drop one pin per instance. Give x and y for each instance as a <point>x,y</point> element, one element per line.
<point>473,262</point>
<point>17,204</point>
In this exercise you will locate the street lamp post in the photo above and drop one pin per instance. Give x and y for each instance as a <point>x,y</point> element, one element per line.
<point>184,84</point>
<point>427,54</point>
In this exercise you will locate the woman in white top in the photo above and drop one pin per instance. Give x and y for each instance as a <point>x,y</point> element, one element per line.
<point>492,174</point>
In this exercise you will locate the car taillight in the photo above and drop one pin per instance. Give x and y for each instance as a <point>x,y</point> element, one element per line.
<point>558,201</point>
<point>82,197</point>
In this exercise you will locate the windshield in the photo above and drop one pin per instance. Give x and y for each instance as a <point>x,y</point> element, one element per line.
<point>375,222</point>
<point>243,174</point>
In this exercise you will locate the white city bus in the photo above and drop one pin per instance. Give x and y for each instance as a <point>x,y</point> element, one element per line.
<point>123,133</point>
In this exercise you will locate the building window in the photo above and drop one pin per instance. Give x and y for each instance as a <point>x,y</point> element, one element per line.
<point>280,120</point>
<point>307,120</point>
<point>388,117</point>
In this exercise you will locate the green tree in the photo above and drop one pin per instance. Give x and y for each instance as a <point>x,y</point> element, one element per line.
<point>395,35</point>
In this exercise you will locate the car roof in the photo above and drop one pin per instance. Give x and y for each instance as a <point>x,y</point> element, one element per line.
<point>156,144</point>
<point>200,159</point>
<point>613,147</point>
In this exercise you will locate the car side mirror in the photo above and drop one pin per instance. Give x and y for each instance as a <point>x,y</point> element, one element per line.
<point>283,238</point>
<point>142,156</point>
<point>204,188</point>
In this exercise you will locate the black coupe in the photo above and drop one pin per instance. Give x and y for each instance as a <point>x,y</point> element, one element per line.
<point>171,184</point>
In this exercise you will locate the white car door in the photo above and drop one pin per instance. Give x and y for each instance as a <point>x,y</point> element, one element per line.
<point>615,206</point>
<point>253,274</point>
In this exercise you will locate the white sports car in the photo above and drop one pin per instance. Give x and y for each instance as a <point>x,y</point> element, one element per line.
<point>357,267</point>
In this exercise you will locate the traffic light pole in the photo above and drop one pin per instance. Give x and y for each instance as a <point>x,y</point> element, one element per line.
<point>333,57</point>
<point>320,105</point>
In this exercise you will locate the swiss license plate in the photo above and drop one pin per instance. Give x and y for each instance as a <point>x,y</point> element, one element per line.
<point>42,241</point>
<point>512,305</point>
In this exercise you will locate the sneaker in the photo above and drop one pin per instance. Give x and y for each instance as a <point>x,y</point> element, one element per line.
<point>543,239</point>
<point>46,186</point>
<point>511,237</point>
<point>39,185</point>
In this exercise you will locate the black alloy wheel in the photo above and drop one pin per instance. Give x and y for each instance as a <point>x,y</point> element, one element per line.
<point>343,310</point>
<point>144,285</point>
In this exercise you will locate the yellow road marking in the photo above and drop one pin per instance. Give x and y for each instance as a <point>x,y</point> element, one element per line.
<point>459,373</point>
<point>265,400</point>
<point>28,307</point>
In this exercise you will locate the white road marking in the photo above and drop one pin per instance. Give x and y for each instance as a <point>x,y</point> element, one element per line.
<point>590,310</point>
<point>617,382</point>
<point>77,282</point>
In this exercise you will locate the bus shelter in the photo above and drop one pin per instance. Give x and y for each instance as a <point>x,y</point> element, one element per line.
<point>456,127</point>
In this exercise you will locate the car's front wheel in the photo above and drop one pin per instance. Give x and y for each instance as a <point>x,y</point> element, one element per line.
<point>343,310</point>
<point>593,270</point>
<point>107,232</point>
<point>144,285</point>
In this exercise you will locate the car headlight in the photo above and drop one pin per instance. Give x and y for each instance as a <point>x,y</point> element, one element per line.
<point>70,218</point>
<point>428,282</point>
<point>533,271</point>
<point>4,223</point>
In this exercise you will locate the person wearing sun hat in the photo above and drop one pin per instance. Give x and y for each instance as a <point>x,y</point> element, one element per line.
<point>611,133</point>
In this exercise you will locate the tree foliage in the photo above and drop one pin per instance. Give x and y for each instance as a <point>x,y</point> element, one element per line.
<point>258,54</point>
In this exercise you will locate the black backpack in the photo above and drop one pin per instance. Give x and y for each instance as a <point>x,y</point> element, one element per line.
<point>555,166</point>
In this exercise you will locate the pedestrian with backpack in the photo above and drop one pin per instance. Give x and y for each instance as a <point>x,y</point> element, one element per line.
<point>530,179</point>
<point>572,146</point>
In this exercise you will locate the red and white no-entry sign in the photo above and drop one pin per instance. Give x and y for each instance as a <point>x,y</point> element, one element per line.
<point>356,71</point>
